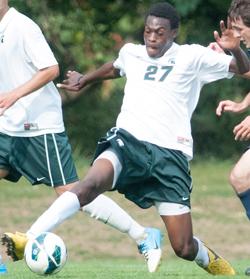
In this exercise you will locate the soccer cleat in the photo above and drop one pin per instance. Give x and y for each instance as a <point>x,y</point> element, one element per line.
<point>15,244</point>
<point>150,248</point>
<point>217,265</point>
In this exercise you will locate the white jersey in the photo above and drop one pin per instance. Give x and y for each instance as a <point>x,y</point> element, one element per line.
<point>24,51</point>
<point>162,93</point>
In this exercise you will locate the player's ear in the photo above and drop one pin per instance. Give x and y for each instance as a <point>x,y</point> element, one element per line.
<point>174,33</point>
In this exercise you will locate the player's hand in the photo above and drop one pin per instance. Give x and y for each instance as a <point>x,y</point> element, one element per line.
<point>229,106</point>
<point>73,82</point>
<point>6,101</point>
<point>242,130</point>
<point>227,40</point>
<point>215,47</point>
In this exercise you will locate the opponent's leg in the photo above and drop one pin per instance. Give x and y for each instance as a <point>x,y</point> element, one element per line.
<point>240,180</point>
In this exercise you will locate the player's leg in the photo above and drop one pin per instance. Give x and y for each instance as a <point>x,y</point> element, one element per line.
<point>102,208</point>
<point>65,206</point>
<point>185,245</point>
<point>106,210</point>
<point>240,180</point>
<point>99,178</point>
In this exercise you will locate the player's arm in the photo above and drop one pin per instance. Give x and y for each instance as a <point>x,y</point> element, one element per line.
<point>227,41</point>
<point>76,81</point>
<point>231,106</point>
<point>41,78</point>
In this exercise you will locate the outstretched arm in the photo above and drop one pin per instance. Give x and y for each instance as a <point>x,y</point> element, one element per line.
<point>76,81</point>
<point>227,41</point>
<point>230,106</point>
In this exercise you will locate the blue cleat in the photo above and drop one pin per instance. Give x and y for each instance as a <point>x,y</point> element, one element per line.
<point>150,248</point>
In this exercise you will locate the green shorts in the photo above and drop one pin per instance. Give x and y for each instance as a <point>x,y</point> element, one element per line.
<point>149,173</point>
<point>44,159</point>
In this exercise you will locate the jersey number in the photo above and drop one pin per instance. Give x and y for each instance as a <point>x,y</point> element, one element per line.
<point>152,70</point>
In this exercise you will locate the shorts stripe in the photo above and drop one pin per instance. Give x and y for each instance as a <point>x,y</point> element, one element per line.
<point>48,162</point>
<point>59,160</point>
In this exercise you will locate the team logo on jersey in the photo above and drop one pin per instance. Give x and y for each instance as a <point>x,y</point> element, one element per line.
<point>1,38</point>
<point>171,61</point>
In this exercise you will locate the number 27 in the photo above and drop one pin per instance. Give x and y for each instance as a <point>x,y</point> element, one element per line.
<point>152,70</point>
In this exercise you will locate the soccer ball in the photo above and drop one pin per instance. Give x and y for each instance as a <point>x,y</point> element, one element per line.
<point>45,254</point>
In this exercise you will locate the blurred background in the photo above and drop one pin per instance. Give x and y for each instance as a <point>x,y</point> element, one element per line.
<point>84,34</point>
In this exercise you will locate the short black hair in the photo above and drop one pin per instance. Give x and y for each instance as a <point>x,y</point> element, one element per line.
<point>165,10</point>
<point>240,8</point>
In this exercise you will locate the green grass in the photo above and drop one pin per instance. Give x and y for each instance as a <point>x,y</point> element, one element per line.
<point>122,269</point>
<point>98,251</point>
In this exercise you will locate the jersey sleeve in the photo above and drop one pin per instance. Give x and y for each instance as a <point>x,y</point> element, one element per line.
<point>212,66</point>
<point>120,62</point>
<point>37,50</point>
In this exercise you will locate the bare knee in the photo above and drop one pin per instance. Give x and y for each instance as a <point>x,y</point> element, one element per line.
<point>61,189</point>
<point>240,175</point>
<point>87,190</point>
<point>185,250</point>
<point>238,181</point>
<point>3,173</point>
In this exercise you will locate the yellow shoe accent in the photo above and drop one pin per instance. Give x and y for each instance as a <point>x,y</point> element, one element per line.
<point>217,265</point>
<point>15,244</point>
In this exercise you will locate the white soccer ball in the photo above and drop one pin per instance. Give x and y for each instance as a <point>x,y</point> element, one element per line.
<point>46,254</point>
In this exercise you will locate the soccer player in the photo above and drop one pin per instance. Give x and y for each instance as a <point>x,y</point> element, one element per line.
<point>145,157</point>
<point>33,142</point>
<point>239,178</point>
<point>239,14</point>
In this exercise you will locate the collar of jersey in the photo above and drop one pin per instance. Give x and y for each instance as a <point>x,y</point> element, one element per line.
<point>6,19</point>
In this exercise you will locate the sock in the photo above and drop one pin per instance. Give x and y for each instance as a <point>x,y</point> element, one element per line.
<point>245,200</point>
<point>107,211</point>
<point>62,208</point>
<point>201,258</point>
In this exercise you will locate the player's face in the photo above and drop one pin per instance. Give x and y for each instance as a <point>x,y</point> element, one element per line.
<point>241,31</point>
<point>158,36</point>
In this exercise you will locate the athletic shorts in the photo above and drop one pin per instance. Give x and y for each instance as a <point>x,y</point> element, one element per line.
<point>44,159</point>
<point>149,173</point>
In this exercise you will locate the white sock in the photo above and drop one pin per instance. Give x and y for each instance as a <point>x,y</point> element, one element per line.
<point>201,258</point>
<point>107,211</point>
<point>62,208</point>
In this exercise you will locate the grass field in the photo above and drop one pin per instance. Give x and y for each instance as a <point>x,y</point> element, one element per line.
<point>123,269</point>
<point>98,251</point>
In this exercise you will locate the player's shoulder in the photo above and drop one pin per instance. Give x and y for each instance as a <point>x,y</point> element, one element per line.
<point>25,22</point>
<point>193,48</point>
<point>193,51</point>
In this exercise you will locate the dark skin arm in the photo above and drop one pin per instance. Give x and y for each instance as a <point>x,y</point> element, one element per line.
<point>227,41</point>
<point>76,81</point>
